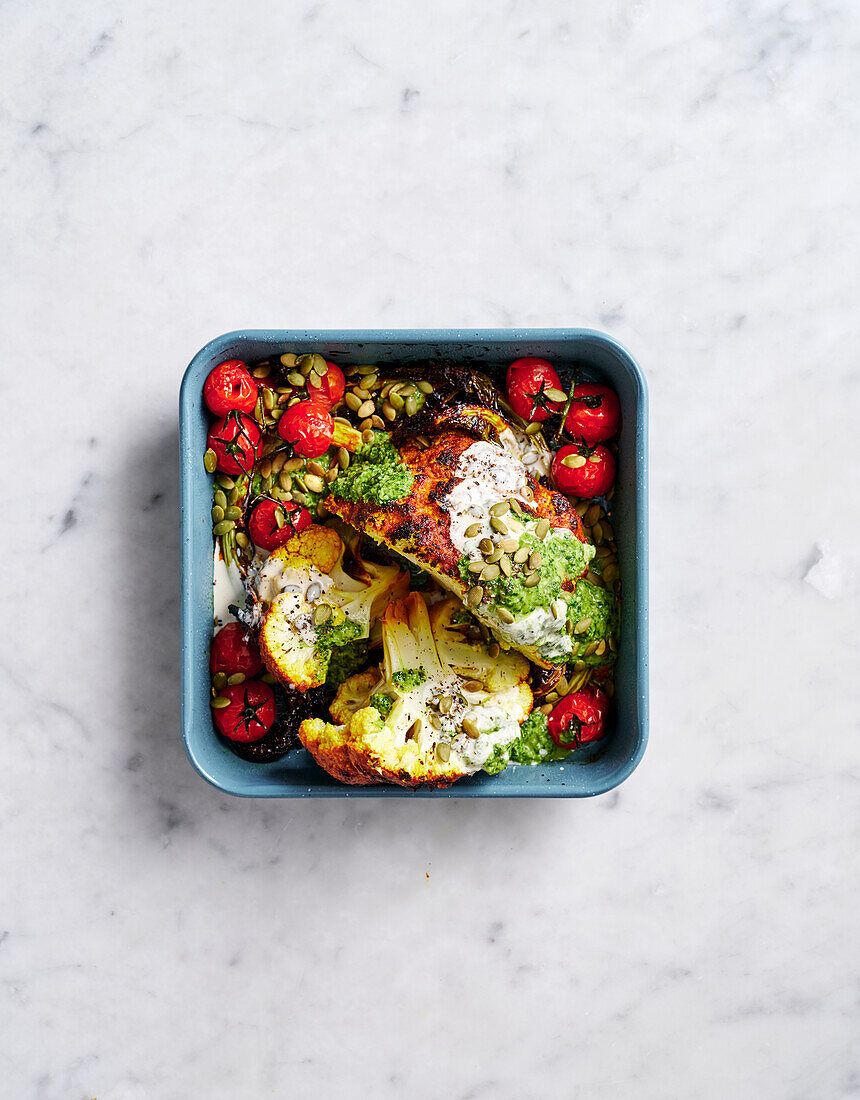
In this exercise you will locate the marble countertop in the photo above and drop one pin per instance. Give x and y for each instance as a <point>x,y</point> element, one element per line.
<point>681,175</point>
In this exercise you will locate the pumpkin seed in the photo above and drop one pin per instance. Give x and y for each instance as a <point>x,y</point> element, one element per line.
<point>505,615</point>
<point>581,508</point>
<point>445,704</point>
<point>535,559</point>
<point>292,465</point>
<point>494,649</point>
<point>320,365</point>
<point>371,380</point>
<point>220,498</point>
<point>601,648</point>
<point>361,392</point>
<point>559,609</point>
<point>563,686</point>
<point>261,372</point>
<point>223,527</point>
<point>425,387</point>
<point>516,507</point>
<point>265,467</point>
<point>443,751</point>
<point>364,368</point>
<point>505,565</point>
<point>236,678</point>
<point>500,509</point>
<point>475,596</point>
<point>608,533</point>
<point>533,428</point>
<point>509,545</point>
<point>395,400</point>
<point>295,379</point>
<point>493,556</point>
<point>490,572</point>
<point>210,461</point>
<point>573,462</point>
<point>219,680</point>
<point>300,481</point>
<point>486,546</point>
<point>583,625</point>
<point>589,649</point>
<point>322,511</point>
<point>314,484</point>
<point>388,412</point>
<point>547,708</point>
<point>233,495</point>
<point>498,525</point>
<point>219,702</point>
<point>522,555</point>
<point>322,614</point>
<point>353,401</point>
<point>367,436</point>
<point>332,475</point>
<point>579,666</point>
<point>472,530</point>
<point>470,728</point>
<point>591,514</point>
<point>542,529</point>
<point>594,578</point>
<point>411,406</point>
<point>435,720</point>
<point>280,517</point>
<point>609,688</point>
<point>552,697</point>
<point>473,686</point>
<point>530,580</point>
<point>288,359</point>
<point>423,440</point>
<point>298,498</point>
<point>527,492</point>
<point>242,540</point>
<point>377,422</point>
<point>366,408</point>
<point>217,513</point>
<point>343,458</point>
<point>315,468</point>
<point>225,481</point>
<point>476,566</point>
<point>613,644</point>
<point>285,481</point>
<point>233,513</point>
<point>365,424</point>
<point>556,395</point>
<point>597,532</point>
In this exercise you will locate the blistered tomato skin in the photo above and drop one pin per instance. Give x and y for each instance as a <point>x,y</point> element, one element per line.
<point>263,524</point>
<point>251,712</point>
<point>235,441</point>
<point>230,386</point>
<point>594,477</point>
<point>309,427</point>
<point>594,414</point>
<point>233,651</point>
<point>578,719</point>
<point>331,388</point>
<point>529,382</point>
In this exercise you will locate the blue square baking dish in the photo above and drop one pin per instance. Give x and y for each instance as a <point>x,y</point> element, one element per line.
<point>296,775</point>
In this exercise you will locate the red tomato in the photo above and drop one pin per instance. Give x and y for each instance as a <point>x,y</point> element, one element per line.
<point>592,478</point>
<point>230,386</point>
<point>529,382</point>
<point>263,524</point>
<point>594,414</point>
<point>251,713</point>
<point>331,389</point>
<point>235,440</point>
<point>308,426</point>
<point>579,718</point>
<point>233,651</point>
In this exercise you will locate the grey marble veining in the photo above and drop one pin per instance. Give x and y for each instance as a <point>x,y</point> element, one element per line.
<point>683,175</point>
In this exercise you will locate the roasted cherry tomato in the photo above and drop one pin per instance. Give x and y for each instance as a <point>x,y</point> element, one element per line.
<point>233,651</point>
<point>594,414</point>
<point>250,714</point>
<point>330,390</point>
<point>578,718</point>
<point>308,426</point>
<point>263,525</point>
<point>588,471</point>
<point>534,389</point>
<point>235,440</point>
<point>230,386</point>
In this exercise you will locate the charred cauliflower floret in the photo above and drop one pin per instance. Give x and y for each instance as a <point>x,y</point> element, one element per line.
<point>312,604</point>
<point>419,722</point>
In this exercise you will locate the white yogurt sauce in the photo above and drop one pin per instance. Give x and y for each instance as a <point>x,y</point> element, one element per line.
<point>541,629</point>
<point>227,588</point>
<point>487,474</point>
